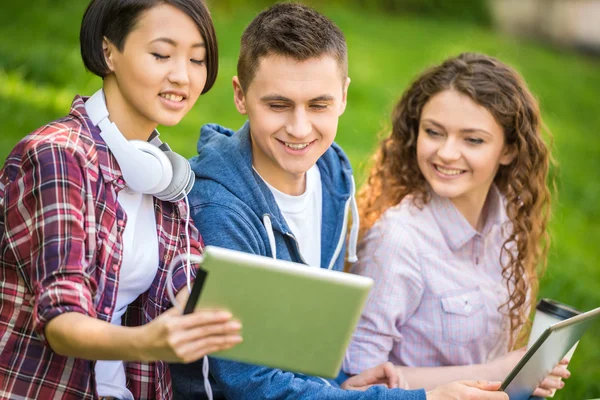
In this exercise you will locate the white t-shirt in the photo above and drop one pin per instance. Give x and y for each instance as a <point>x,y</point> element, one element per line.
<point>138,269</point>
<point>303,215</point>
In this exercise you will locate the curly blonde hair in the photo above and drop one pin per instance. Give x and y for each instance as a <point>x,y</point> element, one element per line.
<point>396,174</point>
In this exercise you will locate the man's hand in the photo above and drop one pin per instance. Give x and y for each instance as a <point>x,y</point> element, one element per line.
<point>468,390</point>
<point>383,374</point>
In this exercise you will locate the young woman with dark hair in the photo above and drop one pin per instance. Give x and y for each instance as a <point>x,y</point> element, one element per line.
<point>92,216</point>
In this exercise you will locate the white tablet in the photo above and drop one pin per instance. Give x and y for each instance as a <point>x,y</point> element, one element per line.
<point>295,317</point>
<point>545,354</point>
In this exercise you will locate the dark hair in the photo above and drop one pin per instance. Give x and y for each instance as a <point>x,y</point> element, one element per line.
<point>115,19</point>
<point>396,174</point>
<point>290,30</point>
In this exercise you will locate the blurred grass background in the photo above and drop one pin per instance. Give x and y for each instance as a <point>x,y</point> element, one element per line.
<point>41,70</point>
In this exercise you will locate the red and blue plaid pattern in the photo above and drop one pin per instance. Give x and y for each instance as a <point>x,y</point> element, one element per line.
<point>60,251</point>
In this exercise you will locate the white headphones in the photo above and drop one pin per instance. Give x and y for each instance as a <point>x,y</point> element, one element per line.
<point>148,167</point>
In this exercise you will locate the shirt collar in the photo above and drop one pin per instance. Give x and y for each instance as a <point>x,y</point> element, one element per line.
<point>109,168</point>
<point>454,226</point>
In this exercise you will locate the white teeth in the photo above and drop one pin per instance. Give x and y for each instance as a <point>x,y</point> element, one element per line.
<point>172,97</point>
<point>297,146</point>
<point>448,171</point>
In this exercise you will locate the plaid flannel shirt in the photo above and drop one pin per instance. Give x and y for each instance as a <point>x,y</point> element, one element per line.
<point>61,249</point>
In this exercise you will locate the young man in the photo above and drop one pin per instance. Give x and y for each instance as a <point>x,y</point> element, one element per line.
<point>280,187</point>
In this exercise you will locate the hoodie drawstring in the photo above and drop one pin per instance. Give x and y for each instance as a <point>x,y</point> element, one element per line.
<point>355,226</point>
<point>270,234</point>
<point>205,375</point>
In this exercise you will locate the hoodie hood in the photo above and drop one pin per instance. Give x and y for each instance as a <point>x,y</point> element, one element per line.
<point>225,157</point>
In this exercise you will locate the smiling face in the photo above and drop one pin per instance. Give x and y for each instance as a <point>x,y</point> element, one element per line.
<point>293,108</point>
<point>460,147</point>
<point>159,74</point>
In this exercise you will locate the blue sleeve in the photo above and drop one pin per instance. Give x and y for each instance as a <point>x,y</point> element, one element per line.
<point>249,382</point>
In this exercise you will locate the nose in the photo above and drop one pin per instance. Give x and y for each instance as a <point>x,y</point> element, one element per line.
<point>449,150</point>
<point>299,124</point>
<point>179,73</point>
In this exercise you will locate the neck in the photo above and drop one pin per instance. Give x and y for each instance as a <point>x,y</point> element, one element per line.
<point>472,209</point>
<point>130,123</point>
<point>288,183</point>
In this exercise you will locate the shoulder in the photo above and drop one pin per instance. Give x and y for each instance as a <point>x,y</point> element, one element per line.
<point>223,219</point>
<point>406,216</point>
<point>206,191</point>
<point>405,227</point>
<point>334,160</point>
<point>63,141</point>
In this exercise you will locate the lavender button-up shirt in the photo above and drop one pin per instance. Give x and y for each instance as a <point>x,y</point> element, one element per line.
<point>438,286</point>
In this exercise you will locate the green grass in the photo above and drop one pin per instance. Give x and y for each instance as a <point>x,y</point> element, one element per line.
<point>41,70</point>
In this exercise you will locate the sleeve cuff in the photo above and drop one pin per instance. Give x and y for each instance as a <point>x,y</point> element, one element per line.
<point>58,298</point>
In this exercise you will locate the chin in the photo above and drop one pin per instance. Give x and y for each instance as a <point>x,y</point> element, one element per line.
<point>298,170</point>
<point>449,193</point>
<point>172,121</point>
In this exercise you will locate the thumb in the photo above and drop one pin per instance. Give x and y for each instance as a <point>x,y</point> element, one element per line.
<point>173,311</point>
<point>483,385</point>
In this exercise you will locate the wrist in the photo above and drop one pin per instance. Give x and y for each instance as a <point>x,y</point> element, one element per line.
<point>140,344</point>
<point>485,371</point>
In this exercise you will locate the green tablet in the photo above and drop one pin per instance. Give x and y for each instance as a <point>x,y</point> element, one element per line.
<point>295,317</point>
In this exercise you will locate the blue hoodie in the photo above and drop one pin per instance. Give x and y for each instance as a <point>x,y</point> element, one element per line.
<point>233,208</point>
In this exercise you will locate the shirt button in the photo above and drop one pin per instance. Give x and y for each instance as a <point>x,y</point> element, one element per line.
<point>106,310</point>
<point>115,267</point>
<point>468,308</point>
<point>121,223</point>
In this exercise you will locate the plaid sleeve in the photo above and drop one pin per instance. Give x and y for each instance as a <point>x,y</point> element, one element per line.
<point>388,256</point>
<point>45,223</point>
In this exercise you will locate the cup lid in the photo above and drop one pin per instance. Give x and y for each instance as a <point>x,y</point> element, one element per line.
<point>556,308</point>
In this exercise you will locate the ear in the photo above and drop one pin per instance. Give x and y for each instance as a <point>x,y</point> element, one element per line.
<point>508,154</point>
<point>108,49</point>
<point>238,96</point>
<point>344,96</point>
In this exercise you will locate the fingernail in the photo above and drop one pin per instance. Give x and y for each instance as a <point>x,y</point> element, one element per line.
<point>224,314</point>
<point>238,339</point>
<point>562,384</point>
<point>234,325</point>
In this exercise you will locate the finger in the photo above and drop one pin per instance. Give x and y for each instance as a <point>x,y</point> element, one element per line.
<point>393,380</point>
<point>206,346</point>
<point>223,328</point>
<point>539,392</point>
<point>551,383</point>
<point>201,317</point>
<point>205,351</point>
<point>483,385</point>
<point>561,372</point>
<point>564,361</point>
<point>220,329</point>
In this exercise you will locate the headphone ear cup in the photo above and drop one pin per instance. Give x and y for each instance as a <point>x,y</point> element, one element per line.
<point>166,169</point>
<point>182,180</point>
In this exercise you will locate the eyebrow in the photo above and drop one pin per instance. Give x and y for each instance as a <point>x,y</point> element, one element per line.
<point>276,97</point>
<point>465,130</point>
<point>174,43</point>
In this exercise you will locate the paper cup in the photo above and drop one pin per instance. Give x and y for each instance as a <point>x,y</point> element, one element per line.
<point>549,312</point>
